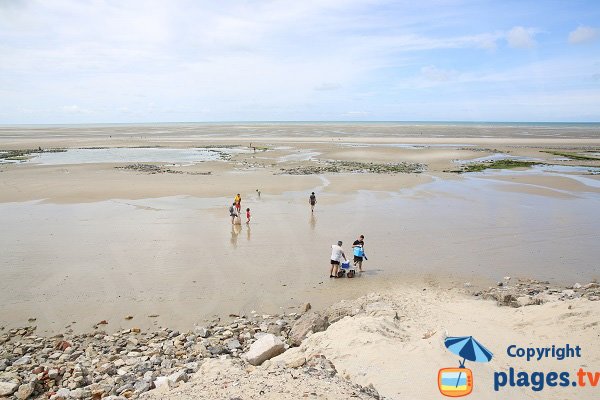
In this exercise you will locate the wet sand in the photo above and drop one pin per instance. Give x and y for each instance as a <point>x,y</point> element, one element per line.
<point>82,243</point>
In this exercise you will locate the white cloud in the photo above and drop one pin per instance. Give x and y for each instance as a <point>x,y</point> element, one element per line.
<point>583,34</point>
<point>111,61</point>
<point>356,114</point>
<point>74,109</point>
<point>521,38</point>
<point>325,86</point>
<point>433,73</point>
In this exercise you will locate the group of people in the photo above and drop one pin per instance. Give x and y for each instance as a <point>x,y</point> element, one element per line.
<point>337,254</point>
<point>235,211</point>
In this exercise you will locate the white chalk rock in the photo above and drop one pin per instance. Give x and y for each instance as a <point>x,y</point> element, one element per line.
<point>163,383</point>
<point>7,388</point>
<point>264,349</point>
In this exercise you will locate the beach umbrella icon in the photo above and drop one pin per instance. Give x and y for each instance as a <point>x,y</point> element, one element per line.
<point>469,349</point>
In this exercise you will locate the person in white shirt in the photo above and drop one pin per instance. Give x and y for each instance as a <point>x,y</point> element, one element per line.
<point>337,253</point>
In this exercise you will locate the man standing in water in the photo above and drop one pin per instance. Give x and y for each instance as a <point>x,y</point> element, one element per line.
<point>233,213</point>
<point>312,200</point>
<point>337,253</point>
<point>359,252</point>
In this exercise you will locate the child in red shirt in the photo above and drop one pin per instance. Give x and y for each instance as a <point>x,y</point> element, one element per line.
<point>247,215</point>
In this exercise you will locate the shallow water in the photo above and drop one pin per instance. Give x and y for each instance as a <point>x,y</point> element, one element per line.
<point>131,155</point>
<point>176,254</point>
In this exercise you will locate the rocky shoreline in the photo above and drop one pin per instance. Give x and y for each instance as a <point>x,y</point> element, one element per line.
<point>130,363</point>
<point>528,292</point>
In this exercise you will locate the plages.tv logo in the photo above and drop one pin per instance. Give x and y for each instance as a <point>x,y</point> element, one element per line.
<point>458,382</point>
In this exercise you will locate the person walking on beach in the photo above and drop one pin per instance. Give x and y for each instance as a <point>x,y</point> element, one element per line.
<point>312,200</point>
<point>359,252</point>
<point>233,213</point>
<point>337,253</point>
<point>238,202</point>
<point>247,216</point>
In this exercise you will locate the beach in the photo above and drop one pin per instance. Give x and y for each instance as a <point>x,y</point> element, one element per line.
<point>105,222</point>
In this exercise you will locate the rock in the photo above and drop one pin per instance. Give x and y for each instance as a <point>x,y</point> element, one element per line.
<point>62,345</point>
<point>524,301</point>
<point>25,391</point>
<point>22,361</point>
<point>297,363</point>
<point>264,349</point>
<point>142,386</point>
<point>500,284</point>
<point>80,393</point>
<point>592,285</point>
<point>577,286</point>
<point>309,322</point>
<point>202,331</point>
<point>179,376</point>
<point>118,363</point>
<point>8,388</point>
<point>233,344</point>
<point>62,393</point>
<point>163,383</point>
<point>124,388</point>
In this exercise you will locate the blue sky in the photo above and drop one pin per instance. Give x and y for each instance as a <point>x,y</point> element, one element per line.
<point>169,61</point>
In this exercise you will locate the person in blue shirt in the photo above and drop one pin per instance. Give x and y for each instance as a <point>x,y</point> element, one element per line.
<point>359,252</point>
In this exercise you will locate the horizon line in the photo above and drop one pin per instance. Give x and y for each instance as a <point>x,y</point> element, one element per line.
<point>233,122</point>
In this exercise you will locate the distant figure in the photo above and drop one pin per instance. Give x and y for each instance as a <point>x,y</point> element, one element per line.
<point>337,253</point>
<point>312,200</point>
<point>238,202</point>
<point>359,252</point>
<point>233,213</point>
<point>258,191</point>
<point>247,215</point>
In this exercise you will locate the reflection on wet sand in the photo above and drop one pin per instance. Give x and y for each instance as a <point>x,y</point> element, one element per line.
<point>235,232</point>
<point>313,221</point>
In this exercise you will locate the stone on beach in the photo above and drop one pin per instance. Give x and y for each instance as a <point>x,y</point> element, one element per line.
<point>25,391</point>
<point>307,323</point>
<point>22,361</point>
<point>264,349</point>
<point>8,388</point>
<point>163,383</point>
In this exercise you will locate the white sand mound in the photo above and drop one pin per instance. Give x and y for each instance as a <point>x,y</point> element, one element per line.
<point>396,342</point>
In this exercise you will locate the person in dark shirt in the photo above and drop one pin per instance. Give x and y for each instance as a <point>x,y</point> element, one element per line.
<point>312,200</point>
<point>359,252</point>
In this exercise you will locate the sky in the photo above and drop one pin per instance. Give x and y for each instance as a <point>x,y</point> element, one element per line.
<point>105,61</point>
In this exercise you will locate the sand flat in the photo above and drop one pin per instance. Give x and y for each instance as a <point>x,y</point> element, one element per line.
<point>81,237</point>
